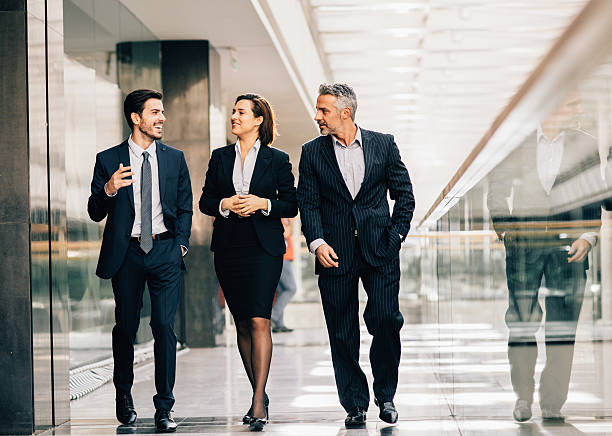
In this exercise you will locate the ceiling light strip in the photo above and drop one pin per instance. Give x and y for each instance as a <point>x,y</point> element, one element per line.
<point>297,82</point>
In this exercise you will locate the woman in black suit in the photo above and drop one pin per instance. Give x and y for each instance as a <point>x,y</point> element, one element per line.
<point>249,187</point>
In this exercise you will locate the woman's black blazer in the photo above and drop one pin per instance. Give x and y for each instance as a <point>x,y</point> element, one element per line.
<point>272,179</point>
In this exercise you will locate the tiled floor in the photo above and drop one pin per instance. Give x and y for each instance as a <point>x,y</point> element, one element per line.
<point>454,380</point>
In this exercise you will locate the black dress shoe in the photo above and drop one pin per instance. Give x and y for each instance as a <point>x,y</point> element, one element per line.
<point>164,422</point>
<point>356,418</point>
<point>248,417</point>
<point>388,412</point>
<point>124,408</point>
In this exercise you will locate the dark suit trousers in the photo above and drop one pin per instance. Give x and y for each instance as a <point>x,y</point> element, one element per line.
<point>339,295</point>
<point>527,263</point>
<point>160,269</point>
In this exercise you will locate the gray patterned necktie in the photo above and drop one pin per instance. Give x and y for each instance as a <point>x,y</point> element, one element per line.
<point>146,225</point>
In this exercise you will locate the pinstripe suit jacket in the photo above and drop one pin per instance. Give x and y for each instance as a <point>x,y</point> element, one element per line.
<point>328,210</point>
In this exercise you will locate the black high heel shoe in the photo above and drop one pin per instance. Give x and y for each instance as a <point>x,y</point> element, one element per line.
<point>257,424</point>
<point>248,417</point>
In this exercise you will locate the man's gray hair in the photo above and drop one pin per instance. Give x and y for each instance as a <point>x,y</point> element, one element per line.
<point>345,96</point>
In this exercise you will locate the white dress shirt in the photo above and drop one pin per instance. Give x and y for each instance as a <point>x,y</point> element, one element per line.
<point>156,207</point>
<point>549,155</point>
<point>242,175</point>
<point>136,160</point>
<point>351,162</point>
<point>352,167</point>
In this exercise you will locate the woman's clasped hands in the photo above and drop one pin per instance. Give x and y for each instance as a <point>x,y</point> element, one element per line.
<point>244,205</point>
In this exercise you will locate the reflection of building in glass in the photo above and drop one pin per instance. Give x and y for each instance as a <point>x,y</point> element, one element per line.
<point>93,122</point>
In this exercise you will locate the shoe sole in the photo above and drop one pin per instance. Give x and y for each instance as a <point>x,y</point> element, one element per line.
<point>522,418</point>
<point>350,426</point>
<point>167,430</point>
<point>553,420</point>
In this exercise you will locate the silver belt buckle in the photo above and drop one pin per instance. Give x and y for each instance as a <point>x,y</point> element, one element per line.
<point>153,236</point>
<point>355,232</point>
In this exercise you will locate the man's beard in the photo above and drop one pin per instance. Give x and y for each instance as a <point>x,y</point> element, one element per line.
<point>328,131</point>
<point>150,133</point>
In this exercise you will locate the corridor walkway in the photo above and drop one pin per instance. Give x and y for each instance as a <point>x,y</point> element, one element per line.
<point>454,380</point>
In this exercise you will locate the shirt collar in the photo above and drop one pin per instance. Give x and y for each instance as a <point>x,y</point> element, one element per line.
<point>138,150</point>
<point>357,139</point>
<point>540,136</point>
<point>255,146</point>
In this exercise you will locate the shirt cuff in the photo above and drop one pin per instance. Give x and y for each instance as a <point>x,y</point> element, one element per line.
<point>107,193</point>
<point>224,213</point>
<point>316,244</point>
<point>590,237</point>
<point>186,250</point>
<point>267,211</point>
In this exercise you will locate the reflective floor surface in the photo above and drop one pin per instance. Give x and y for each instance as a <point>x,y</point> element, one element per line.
<point>454,380</point>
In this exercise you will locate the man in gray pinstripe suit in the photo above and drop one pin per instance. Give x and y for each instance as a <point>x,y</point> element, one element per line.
<point>345,175</point>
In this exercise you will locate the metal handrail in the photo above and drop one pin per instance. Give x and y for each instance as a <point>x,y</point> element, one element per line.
<point>583,45</point>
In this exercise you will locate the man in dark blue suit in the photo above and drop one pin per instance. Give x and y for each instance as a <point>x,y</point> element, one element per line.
<point>345,175</point>
<point>142,188</point>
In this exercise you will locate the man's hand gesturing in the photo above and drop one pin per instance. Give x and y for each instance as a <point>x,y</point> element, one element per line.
<point>118,180</point>
<point>327,256</point>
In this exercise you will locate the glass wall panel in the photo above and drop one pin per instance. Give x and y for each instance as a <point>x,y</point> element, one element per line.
<point>57,165</point>
<point>94,122</point>
<point>39,217</point>
<point>524,270</point>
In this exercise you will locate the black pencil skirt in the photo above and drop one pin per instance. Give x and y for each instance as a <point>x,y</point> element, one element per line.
<point>248,275</point>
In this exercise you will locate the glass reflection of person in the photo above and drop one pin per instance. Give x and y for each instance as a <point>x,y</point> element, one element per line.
<point>544,255</point>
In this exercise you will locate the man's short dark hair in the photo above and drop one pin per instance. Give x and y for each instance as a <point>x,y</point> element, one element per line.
<point>135,101</point>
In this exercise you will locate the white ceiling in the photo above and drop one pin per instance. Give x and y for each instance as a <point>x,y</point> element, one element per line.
<point>235,24</point>
<point>436,73</point>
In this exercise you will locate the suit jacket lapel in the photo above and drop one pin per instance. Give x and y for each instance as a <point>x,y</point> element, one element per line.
<point>368,155</point>
<point>124,158</point>
<point>162,168</point>
<point>264,157</point>
<point>228,158</point>
<point>329,156</point>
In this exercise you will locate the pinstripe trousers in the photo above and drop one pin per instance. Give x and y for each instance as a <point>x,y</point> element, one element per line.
<point>339,295</point>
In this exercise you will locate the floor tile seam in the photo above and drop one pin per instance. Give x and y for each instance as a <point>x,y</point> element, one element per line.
<point>450,409</point>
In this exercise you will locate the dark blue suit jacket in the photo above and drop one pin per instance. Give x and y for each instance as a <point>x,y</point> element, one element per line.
<point>328,211</point>
<point>175,194</point>
<point>272,179</point>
